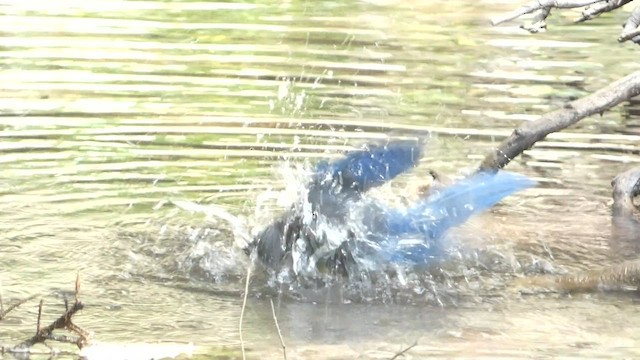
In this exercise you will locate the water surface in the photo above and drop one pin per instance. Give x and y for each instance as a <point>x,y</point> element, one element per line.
<point>112,111</point>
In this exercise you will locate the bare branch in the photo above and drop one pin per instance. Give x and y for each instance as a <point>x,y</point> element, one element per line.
<point>531,132</point>
<point>633,35</point>
<point>631,29</point>
<point>542,4</point>
<point>538,23</point>
<point>598,9</point>
<point>626,185</point>
<point>593,8</point>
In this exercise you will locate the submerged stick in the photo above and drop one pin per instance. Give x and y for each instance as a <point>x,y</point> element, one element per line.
<point>3,312</point>
<point>625,276</point>
<point>402,352</point>
<point>42,334</point>
<point>618,277</point>
<point>601,8</point>
<point>275,320</point>
<point>63,322</point>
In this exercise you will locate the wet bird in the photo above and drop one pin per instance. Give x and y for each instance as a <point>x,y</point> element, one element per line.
<point>336,229</point>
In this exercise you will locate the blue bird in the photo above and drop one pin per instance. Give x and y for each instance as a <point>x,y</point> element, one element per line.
<point>336,227</point>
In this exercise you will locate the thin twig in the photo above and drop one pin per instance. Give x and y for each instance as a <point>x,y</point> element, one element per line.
<point>275,320</point>
<point>4,313</point>
<point>398,354</point>
<point>244,305</point>
<point>76,294</point>
<point>39,316</point>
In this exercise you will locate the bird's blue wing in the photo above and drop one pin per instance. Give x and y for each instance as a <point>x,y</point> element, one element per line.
<point>431,218</point>
<point>364,169</point>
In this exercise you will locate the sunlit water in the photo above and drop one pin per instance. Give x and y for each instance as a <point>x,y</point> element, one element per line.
<point>113,114</point>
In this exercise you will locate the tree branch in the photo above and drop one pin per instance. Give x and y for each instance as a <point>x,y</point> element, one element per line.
<point>598,9</point>
<point>631,28</point>
<point>529,133</point>
<point>538,23</point>
<point>593,9</point>
<point>626,185</point>
<point>539,5</point>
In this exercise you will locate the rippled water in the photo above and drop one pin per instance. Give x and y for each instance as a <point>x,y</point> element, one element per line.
<point>111,112</point>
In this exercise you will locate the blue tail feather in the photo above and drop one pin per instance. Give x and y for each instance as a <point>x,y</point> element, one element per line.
<point>434,216</point>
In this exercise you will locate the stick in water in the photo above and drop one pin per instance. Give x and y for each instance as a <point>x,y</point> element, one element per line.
<point>275,320</point>
<point>244,305</point>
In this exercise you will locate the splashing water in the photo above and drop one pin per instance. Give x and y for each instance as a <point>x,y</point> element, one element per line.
<point>335,234</point>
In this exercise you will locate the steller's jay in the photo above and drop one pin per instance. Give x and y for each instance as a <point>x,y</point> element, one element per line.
<point>336,228</point>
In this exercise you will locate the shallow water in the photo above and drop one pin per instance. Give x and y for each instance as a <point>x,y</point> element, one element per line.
<point>113,111</point>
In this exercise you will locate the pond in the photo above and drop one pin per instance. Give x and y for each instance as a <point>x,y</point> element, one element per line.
<point>113,113</point>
